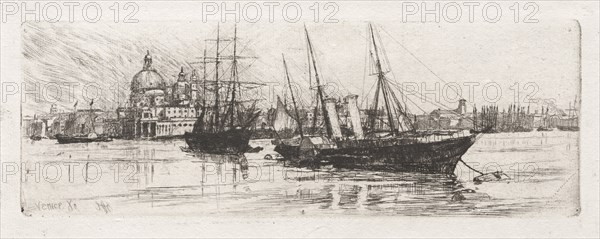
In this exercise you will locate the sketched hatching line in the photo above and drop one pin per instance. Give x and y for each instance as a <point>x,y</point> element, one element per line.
<point>418,60</point>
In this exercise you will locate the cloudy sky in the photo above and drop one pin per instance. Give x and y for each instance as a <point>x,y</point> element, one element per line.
<point>539,60</point>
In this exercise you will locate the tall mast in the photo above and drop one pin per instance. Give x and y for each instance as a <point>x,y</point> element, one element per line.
<point>287,76</point>
<point>204,80</point>
<point>217,87</point>
<point>199,125</point>
<point>316,109</point>
<point>376,105</point>
<point>319,90</point>
<point>380,81</point>
<point>234,78</point>
<point>92,115</point>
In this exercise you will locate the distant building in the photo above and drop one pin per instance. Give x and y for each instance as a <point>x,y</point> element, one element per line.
<point>457,118</point>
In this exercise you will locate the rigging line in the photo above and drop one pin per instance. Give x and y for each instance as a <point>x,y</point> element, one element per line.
<point>385,56</point>
<point>398,111</point>
<point>421,62</point>
<point>299,69</point>
<point>405,96</point>
<point>302,81</point>
<point>301,99</point>
<point>439,105</point>
<point>245,69</point>
<point>433,102</point>
<point>365,70</point>
<point>405,112</point>
<point>365,97</point>
<point>340,82</point>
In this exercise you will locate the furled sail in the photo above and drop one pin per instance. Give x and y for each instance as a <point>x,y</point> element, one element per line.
<point>283,120</point>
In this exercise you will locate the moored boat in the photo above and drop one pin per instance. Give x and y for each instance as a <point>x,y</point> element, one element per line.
<point>571,123</point>
<point>79,128</point>
<point>36,137</point>
<point>70,139</point>
<point>398,154</point>
<point>233,141</point>
<point>399,147</point>
<point>567,128</point>
<point>222,128</point>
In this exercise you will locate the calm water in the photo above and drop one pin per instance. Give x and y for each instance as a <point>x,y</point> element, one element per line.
<point>157,178</point>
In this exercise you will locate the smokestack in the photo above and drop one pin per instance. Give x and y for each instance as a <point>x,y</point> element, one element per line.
<point>355,116</point>
<point>462,107</point>
<point>336,131</point>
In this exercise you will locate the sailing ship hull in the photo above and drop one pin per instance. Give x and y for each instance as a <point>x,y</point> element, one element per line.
<point>65,139</point>
<point>294,155</point>
<point>226,142</point>
<point>303,151</point>
<point>438,157</point>
<point>288,151</point>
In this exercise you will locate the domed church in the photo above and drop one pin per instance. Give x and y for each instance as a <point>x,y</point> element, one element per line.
<point>148,86</point>
<point>157,109</point>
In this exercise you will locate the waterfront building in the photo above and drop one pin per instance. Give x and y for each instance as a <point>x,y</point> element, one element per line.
<point>157,109</point>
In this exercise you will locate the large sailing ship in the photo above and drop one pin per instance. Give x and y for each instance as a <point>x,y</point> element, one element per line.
<point>223,127</point>
<point>398,147</point>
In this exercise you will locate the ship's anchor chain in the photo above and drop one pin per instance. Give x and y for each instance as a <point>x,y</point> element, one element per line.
<point>485,177</point>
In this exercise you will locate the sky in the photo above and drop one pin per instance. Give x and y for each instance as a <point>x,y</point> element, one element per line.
<point>524,61</point>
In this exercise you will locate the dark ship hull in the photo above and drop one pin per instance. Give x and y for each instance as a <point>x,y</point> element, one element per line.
<point>288,152</point>
<point>486,130</point>
<point>568,128</point>
<point>35,137</point>
<point>226,142</point>
<point>522,130</point>
<point>302,152</point>
<point>400,155</point>
<point>543,129</point>
<point>296,155</point>
<point>65,139</point>
<point>271,134</point>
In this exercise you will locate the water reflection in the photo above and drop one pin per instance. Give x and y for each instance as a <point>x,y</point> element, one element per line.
<point>156,178</point>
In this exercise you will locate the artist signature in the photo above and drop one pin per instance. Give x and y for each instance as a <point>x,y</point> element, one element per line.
<point>71,205</point>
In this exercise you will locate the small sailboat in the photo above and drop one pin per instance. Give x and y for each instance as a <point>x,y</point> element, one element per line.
<point>284,124</point>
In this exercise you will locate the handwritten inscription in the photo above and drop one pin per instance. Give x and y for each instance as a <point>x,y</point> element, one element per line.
<point>103,207</point>
<point>68,205</point>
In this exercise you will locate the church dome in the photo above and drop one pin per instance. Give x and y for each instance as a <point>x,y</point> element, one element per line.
<point>148,78</point>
